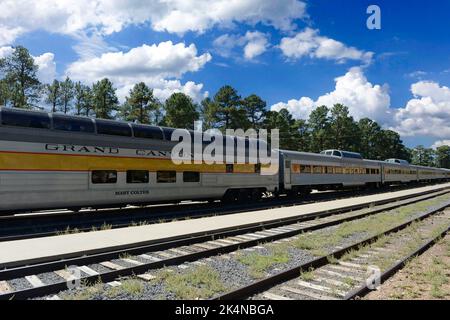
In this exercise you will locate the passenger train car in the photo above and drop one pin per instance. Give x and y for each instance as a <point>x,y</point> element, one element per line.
<point>59,161</point>
<point>50,160</point>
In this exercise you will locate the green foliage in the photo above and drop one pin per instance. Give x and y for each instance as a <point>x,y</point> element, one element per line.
<point>83,99</point>
<point>320,126</point>
<point>208,111</point>
<point>328,127</point>
<point>443,157</point>
<point>141,105</point>
<point>181,112</point>
<point>226,111</point>
<point>293,133</point>
<point>259,263</point>
<point>105,99</point>
<point>53,95</point>
<point>344,131</point>
<point>199,283</point>
<point>423,156</point>
<point>20,79</point>
<point>67,94</point>
<point>4,92</point>
<point>255,109</point>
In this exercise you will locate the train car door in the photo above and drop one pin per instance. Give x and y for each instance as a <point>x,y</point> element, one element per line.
<point>287,172</point>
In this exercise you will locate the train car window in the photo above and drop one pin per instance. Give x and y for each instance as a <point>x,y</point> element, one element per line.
<point>137,176</point>
<point>352,155</point>
<point>104,176</point>
<point>295,168</point>
<point>317,169</point>
<point>367,171</point>
<point>338,170</point>
<point>258,168</point>
<point>19,118</point>
<point>305,169</point>
<point>229,168</point>
<point>166,176</point>
<point>191,176</point>
<point>147,132</point>
<point>337,153</point>
<point>113,128</point>
<point>168,133</point>
<point>73,124</point>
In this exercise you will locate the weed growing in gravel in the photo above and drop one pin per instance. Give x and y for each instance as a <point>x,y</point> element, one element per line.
<point>351,254</point>
<point>198,283</point>
<point>349,281</point>
<point>436,276</point>
<point>106,226</point>
<point>307,275</point>
<point>332,260</point>
<point>130,287</point>
<point>125,255</point>
<point>84,292</point>
<point>68,230</point>
<point>319,243</point>
<point>259,263</point>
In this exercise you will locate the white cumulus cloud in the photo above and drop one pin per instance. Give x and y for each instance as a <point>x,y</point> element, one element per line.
<point>309,43</point>
<point>253,44</point>
<point>441,143</point>
<point>47,67</point>
<point>108,16</point>
<point>257,44</point>
<point>300,108</point>
<point>363,98</point>
<point>428,113</point>
<point>159,65</point>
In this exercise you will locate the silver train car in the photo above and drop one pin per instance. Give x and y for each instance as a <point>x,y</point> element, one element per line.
<point>58,161</point>
<point>53,161</point>
<point>336,169</point>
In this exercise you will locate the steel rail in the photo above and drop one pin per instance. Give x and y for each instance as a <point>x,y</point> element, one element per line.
<point>111,275</point>
<point>363,289</point>
<point>292,273</point>
<point>47,264</point>
<point>49,224</point>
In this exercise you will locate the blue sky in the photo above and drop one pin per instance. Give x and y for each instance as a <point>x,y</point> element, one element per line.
<point>398,75</point>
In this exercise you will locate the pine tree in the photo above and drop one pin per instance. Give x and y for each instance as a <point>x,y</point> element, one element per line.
<point>104,99</point>
<point>140,105</point>
<point>4,93</point>
<point>181,112</point>
<point>67,95</point>
<point>255,109</point>
<point>319,124</point>
<point>83,99</point>
<point>21,78</point>
<point>228,111</point>
<point>53,95</point>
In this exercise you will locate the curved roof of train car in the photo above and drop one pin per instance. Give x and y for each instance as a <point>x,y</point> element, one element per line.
<point>309,156</point>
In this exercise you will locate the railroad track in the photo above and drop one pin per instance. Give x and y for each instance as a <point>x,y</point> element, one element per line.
<point>48,223</point>
<point>347,273</point>
<point>110,266</point>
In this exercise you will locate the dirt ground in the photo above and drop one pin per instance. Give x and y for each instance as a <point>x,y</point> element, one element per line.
<point>425,277</point>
